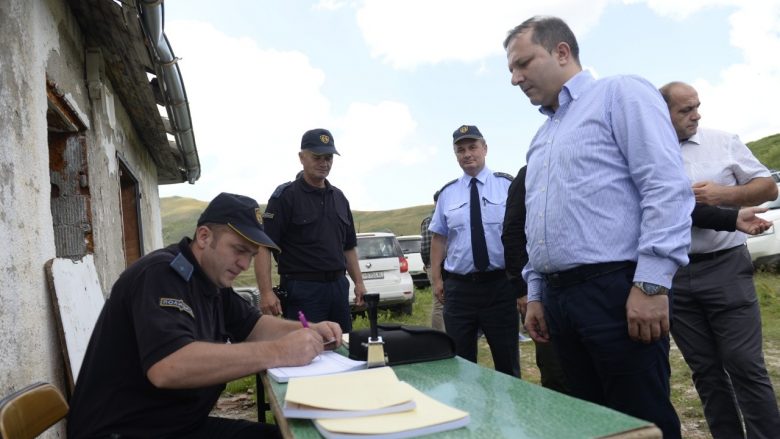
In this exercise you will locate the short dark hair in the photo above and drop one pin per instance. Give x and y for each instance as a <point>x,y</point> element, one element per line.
<point>548,32</point>
<point>217,229</point>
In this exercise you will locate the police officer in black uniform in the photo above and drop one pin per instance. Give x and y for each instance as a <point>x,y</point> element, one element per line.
<point>311,221</point>
<point>173,332</point>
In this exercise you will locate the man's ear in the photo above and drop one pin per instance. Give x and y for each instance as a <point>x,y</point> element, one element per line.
<point>563,53</point>
<point>203,236</point>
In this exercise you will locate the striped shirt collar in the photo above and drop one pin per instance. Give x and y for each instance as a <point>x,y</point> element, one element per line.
<point>571,91</point>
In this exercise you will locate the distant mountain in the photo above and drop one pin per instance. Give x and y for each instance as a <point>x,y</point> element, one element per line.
<point>767,151</point>
<point>179,216</point>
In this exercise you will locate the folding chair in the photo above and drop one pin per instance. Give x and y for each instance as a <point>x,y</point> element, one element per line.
<point>28,412</point>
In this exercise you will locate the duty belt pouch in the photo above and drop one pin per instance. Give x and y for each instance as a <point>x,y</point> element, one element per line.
<point>404,344</point>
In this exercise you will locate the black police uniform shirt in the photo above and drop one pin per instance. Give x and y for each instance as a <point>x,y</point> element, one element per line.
<point>313,227</point>
<point>159,304</point>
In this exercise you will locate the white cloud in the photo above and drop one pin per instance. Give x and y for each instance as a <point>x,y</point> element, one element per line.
<point>744,100</point>
<point>409,33</point>
<point>375,136</point>
<point>250,105</point>
<point>330,5</point>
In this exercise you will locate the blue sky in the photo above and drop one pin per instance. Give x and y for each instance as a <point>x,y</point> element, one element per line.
<point>392,79</point>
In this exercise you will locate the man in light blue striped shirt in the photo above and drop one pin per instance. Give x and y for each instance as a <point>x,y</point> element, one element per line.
<point>608,223</point>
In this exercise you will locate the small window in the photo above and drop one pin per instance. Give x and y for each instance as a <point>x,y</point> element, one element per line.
<point>410,245</point>
<point>378,247</point>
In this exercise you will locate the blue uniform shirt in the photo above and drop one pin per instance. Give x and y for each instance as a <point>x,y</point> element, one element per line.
<point>451,219</point>
<point>606,183</point>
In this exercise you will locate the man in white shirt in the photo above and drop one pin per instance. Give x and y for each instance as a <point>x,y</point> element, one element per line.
<point>716,316</point>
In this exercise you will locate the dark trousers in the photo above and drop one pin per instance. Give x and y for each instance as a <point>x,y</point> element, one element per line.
<point>550,368</point>
<point>222,428</point>
<point>717,326</point>
<point>490,306</point>
<point>587,322</point>
<point>319,301</point>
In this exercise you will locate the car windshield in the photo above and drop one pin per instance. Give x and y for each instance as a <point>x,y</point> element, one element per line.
<point>376,247</point>
<point>410,246</point>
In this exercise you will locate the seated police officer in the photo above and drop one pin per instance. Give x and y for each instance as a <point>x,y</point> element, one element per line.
<point>173,332</point>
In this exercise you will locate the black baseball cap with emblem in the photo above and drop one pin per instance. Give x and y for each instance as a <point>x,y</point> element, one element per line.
<point>240,213</point>
<point>466,132</point>
<point>318,141</point>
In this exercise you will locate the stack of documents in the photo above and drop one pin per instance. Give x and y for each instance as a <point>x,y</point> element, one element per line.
<point>369,403</point>
<point>326,363</point>
<point>347,395</point>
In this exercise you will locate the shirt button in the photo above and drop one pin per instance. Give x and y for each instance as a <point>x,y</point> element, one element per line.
<point>541,241</point>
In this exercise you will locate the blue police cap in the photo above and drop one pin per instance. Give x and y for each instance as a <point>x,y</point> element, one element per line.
<point>466,132</point>
<point>318,141</point>
<point>242,214</point>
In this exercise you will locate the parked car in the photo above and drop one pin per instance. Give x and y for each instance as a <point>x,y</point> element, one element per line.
<point>385,271</point>
<point>765,248</point>
<point>250,294</point>
<point>410,244</point>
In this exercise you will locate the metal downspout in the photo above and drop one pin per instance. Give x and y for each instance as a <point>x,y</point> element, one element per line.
<point>171,84</point>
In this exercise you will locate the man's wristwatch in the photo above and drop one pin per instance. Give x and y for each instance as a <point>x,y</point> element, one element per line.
<point>652,289</point>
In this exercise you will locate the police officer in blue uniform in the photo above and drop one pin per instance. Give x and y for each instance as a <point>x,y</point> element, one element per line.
<point>173,332</point>
<point>473,286</point>
<point>311,221</point>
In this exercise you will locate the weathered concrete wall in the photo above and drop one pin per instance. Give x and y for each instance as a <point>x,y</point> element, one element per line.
<point>41,40</point>
<point>112,133</point>
<point>29,351</point>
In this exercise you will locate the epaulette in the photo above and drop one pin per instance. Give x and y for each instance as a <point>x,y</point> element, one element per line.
<point>448,183</point>
<point>279,189</point>
<point>182,267</point>
<point>505,175</point>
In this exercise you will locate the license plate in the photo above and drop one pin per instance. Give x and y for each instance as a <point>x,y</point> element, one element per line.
<point>373,275</point>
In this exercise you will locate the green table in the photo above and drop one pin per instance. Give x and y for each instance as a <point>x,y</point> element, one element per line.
<point>499,406</point>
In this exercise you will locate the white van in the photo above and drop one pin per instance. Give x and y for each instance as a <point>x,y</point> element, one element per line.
<point>410,244</point>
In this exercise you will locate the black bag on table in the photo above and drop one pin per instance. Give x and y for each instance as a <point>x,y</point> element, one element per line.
<point>404,344</point>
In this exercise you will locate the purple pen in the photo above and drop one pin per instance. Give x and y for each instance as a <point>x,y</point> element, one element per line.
<point>302,318</point>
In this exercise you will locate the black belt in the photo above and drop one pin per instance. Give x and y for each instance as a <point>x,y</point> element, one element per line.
<point>701,257</point>
<point>580,274</point>
<point>477,276</point>
<point>320,276</point>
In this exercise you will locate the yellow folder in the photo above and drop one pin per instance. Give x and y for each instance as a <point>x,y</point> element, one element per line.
<point>367,389</point>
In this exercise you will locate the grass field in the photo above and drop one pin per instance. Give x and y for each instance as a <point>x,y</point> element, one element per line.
<point>684,395</point>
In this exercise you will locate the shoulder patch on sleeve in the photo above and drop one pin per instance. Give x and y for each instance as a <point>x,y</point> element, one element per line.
<point>279,189</point>
<point>448,183</point>
<point>168,302</point>
<point>182,267</point>
<point>505,175</point>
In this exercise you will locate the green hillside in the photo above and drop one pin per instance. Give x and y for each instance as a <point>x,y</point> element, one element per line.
<point>179,216</point>
<point>767,151</point>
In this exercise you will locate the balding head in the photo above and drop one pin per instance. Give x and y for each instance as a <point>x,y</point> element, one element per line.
<point>683,103</point>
